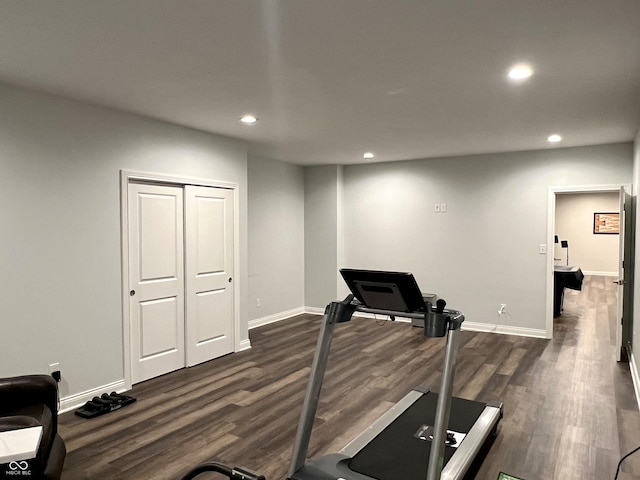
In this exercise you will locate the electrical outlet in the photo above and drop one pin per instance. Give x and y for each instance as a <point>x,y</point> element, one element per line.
<point>503,309</point>
<point>54,371</point>
<point>258,302</point>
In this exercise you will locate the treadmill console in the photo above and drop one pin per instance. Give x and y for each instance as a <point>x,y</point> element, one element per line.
<point>382,290</point>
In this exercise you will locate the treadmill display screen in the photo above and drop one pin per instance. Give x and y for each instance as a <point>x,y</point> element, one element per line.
<point>383,290</point>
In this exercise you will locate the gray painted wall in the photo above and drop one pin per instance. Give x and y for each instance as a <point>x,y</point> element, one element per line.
<point>276,237</point>
<point>484,250</point>
<point>321,226</point>
<point>60,287</point>
<point>594,254</point>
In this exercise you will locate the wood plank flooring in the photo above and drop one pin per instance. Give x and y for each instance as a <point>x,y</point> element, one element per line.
<point>570,409</point>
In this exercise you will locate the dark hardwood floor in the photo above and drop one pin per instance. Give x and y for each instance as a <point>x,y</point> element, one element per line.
<point>570,409</point>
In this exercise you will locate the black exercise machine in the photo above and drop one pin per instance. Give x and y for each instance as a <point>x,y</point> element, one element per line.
<point>426,434</point>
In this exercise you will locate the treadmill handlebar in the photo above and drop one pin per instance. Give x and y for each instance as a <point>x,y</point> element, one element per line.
<point>437,320</point>
<point>340,312</point>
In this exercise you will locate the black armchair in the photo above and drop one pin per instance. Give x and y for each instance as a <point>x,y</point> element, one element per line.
<point>29,401</point>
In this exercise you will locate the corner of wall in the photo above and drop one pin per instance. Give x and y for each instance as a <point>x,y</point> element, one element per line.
<point>322,212</point>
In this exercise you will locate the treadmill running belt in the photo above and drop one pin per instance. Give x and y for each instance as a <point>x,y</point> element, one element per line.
<point>396,454</point>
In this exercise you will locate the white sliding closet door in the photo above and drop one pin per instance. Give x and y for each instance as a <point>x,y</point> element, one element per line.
<point>181,286</point>
<point>209,230</point>
<point>156,280</point>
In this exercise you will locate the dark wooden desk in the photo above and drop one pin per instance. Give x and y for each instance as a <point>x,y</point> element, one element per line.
<point>564,277</point>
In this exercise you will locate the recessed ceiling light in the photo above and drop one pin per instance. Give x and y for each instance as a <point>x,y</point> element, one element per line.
<point>555,138</point>
<point>249,119</point>
<point>368,156</point>
<point>520,72</point>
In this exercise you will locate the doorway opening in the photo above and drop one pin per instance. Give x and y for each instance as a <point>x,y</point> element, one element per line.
<point>566,204</point>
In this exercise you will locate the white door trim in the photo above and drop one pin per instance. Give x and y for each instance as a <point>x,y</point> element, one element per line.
<point>551,221</point>
<point>128,176</point>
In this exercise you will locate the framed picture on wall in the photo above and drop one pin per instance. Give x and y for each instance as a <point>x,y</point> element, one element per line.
<point>606,223</point>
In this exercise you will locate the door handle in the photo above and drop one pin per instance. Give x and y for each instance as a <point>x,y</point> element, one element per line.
<point>619,282</point>
<point>230,279</point>
<point>132,293</point>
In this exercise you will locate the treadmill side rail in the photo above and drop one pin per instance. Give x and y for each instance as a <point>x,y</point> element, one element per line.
<point>373,430</point>
<point>459,463</point>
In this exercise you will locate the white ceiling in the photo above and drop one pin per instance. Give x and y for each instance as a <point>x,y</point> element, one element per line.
<point>331,79</point>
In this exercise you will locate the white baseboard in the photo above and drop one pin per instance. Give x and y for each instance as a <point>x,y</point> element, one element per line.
<point>77,400</point>
<point>276,317</point>
<point>314,310</point>
<point>504,329</point>
<point>600,274</point>
<point>469,326</point>
<point>244,345</point>
<point>635,377</point>
<point>474,327</point>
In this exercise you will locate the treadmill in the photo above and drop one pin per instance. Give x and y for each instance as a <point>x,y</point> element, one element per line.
<point>426,434</point>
